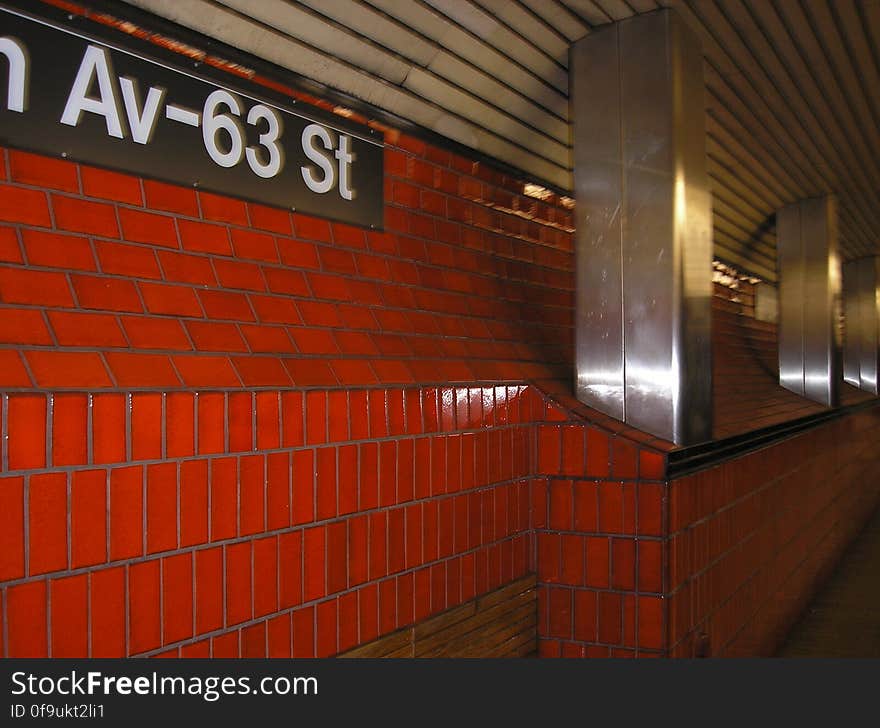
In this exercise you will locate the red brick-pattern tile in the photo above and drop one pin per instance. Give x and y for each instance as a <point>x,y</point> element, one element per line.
<point>297,444</point>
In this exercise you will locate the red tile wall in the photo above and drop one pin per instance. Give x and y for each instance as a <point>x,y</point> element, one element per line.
<point>263,523</point>
<point>111,282</point>
<point>749,540</point>
<point>232,430</point>
<point>597,512</point>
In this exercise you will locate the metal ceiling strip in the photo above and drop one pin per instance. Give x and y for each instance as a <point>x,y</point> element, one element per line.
<point>590,12</point>
<point>751,101</point>
<point>851,25</point>
<point>408,43</point>
<point>845,86</point>
<point>275,47</point>
<point>809,96</point>
<point>557,16</point>
<point>531,27</point>
<point>487,27</point>
<point>475,50</point>
<point>430,87</point>
<point>324,36</point>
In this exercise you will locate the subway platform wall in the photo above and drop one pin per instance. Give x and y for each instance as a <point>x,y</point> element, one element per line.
<point>234,430</point>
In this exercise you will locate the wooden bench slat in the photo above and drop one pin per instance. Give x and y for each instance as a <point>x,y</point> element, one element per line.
<point>464,628</point>
<point>502,623</point>
<point>484,641</point>
<point>488,623</point>
<point>443,620</point>
<point>506,592</point>
<point>382,646</point>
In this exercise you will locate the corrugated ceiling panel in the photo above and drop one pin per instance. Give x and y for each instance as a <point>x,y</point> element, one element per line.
<point>793,107</point>
<point>491,30</point>
<point>531,27</point>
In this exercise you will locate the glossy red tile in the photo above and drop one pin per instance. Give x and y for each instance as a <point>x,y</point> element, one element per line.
<point>12,520</point>
<point>47,522</point>
<point>239,583</point>
<point>88,518</point>
<point>144,628</point>
<point>161,507</point>
<point>251,494</point>
<point>290,567</point>
<point>27,624</point>
<point>177,597</point>
<point>108,428</point>
<point>26,431</point>
<point>69,608</point>
<point>107,612</point>
<point>209,598</point>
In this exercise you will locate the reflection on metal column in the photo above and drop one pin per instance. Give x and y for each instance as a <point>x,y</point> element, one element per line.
<point>861,279</point>
<point>852,324</point>
<point>644,257</point>
<point>809,299</point>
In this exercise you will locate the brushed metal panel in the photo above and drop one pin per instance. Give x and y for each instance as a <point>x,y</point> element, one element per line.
<point>693,240</point>
<point>868,324</point>
<point>667,253</point>
<point>791,297</point>
<point>596,129</point>
<point>852,332</point>
<point>821,300</point>
<point>650,251</point>
<point>643,223</point>
<point>810,300</point>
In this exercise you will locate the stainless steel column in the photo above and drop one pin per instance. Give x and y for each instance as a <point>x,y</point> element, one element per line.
<point>861,286</point>
<point>643,227</point>
<point>809,299</point>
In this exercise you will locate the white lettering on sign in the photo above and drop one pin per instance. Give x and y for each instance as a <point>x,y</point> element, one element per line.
<point>235,128</point>
<point>95,65</point>
<point>16,95</point>
<point>345,158</point>
<point>325,183</point>
<point>268,140</point>
<point>184,116</point>
<point>213,123</point>
<point>222,132</point>
<point>142,123</point>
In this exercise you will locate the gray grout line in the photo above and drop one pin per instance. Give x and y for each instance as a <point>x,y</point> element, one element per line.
<point>265,492</point>
<point>129,402</point>
<point>253,396</point>
<point>226,421</point>
<point>69,486</point>
<point>253,597</point>
<point>48,618</point>
<point>50,421</point>
<point>27,525</point>
<point>144,496</point>
<point>89,615</point>
<point>224,587</point>
<point>178,493</point>
<point>90,445</point>
<point>161,601</point>
<point>4,626</point>
<point>127,610</point>
<point>162,427</point>
<point>107,522</point>
<point>193,595</point>
<point>4,433</point>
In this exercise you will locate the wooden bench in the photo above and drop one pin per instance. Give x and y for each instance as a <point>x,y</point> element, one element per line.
<point>501,623</point>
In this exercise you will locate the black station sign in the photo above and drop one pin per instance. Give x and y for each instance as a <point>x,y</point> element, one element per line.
<point>68,94</point>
